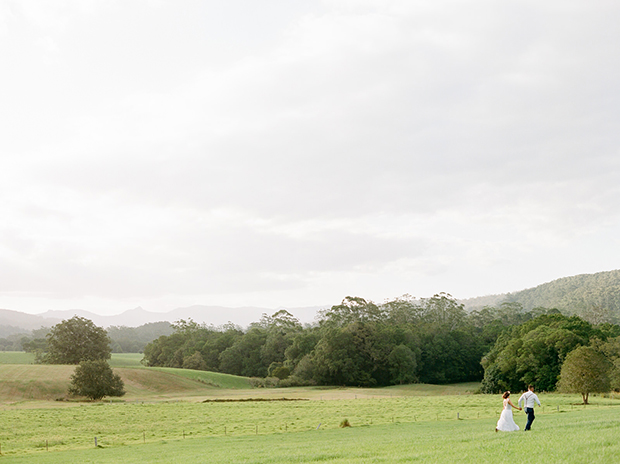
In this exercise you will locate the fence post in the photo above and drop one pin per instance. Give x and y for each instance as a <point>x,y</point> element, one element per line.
<point>95,442</point>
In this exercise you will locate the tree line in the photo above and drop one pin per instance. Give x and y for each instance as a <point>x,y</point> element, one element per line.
<point>123,339</point>
<point>360,343</point>
<point>355,343</point>
<point>554,351</point>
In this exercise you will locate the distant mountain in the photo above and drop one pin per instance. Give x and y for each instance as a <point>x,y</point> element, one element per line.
<point>580,295</point>
<point>25,321</point>
<point>13,321</point>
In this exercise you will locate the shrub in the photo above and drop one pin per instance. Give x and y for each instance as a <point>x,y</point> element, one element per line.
<point>94,380</point>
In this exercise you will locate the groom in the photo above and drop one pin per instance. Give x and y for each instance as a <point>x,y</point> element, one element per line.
<point>528,398</point>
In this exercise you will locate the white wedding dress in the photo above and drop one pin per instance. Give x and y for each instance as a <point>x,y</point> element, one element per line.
<point>506,423</point>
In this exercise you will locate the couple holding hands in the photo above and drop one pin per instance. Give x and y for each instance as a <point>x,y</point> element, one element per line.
<point>506,423</point>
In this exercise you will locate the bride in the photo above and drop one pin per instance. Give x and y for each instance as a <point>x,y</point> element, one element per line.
<point>506,423</point>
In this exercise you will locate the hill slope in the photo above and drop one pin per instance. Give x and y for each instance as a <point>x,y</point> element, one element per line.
<point>574,294</point>
<point>582,294</point>
<point>49,382</point>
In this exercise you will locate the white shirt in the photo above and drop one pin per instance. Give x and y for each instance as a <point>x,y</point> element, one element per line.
<point>528,399</point>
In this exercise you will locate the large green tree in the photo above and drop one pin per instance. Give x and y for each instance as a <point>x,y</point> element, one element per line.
<point>585,370</point>
<point>533,352</point>
<point>344,356</point>
<point>75,340</point>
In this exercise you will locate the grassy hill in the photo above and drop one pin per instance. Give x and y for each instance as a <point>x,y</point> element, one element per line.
<point>22,380</point>
<point>596,296</point>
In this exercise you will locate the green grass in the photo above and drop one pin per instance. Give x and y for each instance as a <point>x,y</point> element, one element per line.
<point>23,382</point>
<point>118,359</point>
<point>575,436</point>
<point>214,379</point>
<point>126,360</point>
<point>25,428</point>
<point>16,357</point>
<point>412,423</point>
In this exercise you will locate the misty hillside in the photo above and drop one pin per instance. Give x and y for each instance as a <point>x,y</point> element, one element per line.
<point>580,295</point>
<point>14,322</point>
<point>575,294</point>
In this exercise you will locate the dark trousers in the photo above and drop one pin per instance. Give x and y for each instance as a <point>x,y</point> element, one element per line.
<point>530,418</point>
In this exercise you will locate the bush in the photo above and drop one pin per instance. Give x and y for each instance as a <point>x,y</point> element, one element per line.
<point>267,382</point>
<point>281,372</point>
<point>294,381</point>
<point>94,380</point>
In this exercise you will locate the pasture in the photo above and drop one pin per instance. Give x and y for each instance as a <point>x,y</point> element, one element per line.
<point>173,415</point>
<point>16,357</point>
<point>577,436</point>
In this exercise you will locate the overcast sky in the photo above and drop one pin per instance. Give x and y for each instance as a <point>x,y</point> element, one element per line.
<point>290,153</point>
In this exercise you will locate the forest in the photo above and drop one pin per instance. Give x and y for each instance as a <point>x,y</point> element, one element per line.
<point>593,297</point>
<point>405,340</point>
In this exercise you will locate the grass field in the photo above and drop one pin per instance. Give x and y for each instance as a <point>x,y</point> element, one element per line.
<point>577,436</point>
<point>174,415</point>
<point>118,359</point>
<point>23,382</point>
<point>30,427</point>
<point>16,357</point>
<point>126,360</point>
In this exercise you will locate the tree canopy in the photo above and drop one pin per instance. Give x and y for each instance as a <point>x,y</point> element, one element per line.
<point>356,342</point>
<point>75,340</point>
<point>585,370</point>
<point>532,353</point>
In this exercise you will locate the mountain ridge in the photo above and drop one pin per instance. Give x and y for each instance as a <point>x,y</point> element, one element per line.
<point>211,315</point>
<point>578,295</point>
<point>575,295</point>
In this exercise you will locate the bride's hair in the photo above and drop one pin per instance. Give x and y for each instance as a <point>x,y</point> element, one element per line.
<point>506,395</point>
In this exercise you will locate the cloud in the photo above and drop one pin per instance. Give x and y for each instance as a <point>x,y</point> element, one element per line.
<point>372,145</point>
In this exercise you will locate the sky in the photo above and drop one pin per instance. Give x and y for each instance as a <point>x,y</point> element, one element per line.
<point>286,154</point>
